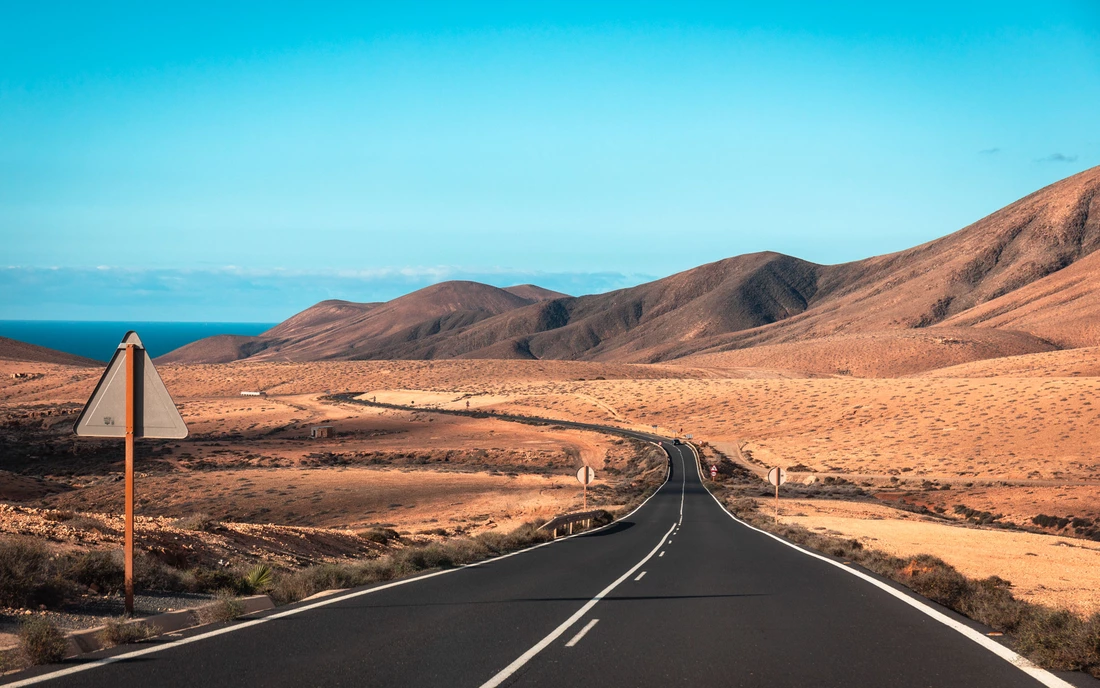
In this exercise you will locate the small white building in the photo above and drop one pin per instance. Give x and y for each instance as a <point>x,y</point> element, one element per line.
<point>253,394</point>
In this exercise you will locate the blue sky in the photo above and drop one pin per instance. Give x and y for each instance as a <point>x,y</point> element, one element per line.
<point>241,162</point>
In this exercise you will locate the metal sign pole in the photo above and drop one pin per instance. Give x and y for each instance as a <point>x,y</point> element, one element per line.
<point>586,496</point>
<point>128,548</point>
<point>777,502</point>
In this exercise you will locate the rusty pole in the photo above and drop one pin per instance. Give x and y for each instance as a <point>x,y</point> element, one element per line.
<point>128,548</point>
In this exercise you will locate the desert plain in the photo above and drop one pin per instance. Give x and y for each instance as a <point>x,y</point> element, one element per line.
<point>994,473</point>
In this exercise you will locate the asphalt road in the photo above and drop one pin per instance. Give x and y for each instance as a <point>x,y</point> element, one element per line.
<point>677,593</point>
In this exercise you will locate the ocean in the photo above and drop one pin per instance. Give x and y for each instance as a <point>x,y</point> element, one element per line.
<point>98,340</point>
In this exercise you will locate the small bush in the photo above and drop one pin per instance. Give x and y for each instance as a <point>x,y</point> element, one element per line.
<point>200,522</point>
<point>226,608</point>
<point>743,506</point>
<point>89,523</point>
<point>99,570</point>
<point>152,574</point>
<point>28,575</point>
<point>259,579</point>
<point>123,631</point>
<point>301,584</point>
<point>991,602</point>
<point>939,582</point>
<point>1057,639</point>
<point>379,535</point>
<point>204,579</point>
<point>60,516</point>
<point>42,642</point>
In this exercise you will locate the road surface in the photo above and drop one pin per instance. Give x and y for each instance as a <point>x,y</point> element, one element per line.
<point>677,593</point>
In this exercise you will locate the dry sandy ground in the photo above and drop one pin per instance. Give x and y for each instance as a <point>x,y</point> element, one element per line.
<point>1048,570</point>
<point>1015,437</point>
<point>250,460</point>
<point>342,498</point>
<point>890,353</point>
<point>1069,363</point>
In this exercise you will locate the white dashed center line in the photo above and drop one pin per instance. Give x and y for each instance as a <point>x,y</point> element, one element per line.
<point>587,627</point>
<point>640,575</point>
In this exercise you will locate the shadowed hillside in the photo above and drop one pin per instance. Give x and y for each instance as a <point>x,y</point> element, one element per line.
<point>15,350</point>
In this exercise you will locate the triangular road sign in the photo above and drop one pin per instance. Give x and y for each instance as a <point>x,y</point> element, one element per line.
<point>155,414</point>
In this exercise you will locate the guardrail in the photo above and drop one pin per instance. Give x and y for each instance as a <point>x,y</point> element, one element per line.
<point>564,520</point>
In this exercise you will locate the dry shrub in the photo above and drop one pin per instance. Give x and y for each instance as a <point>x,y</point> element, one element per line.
<point>936,580</point>
<point>89,523</point>
<point>297,585</point>
<point>1057,639</point>
<point>100,570</point>
<point>226,608</point>
<point>743,506</point>
<point>293,586</point>
<point>124,630</point>
<point>379,535</point>
<point>151,573</point>
<point>42,642</point>
<point>28,575</point>
<point>199,522</point>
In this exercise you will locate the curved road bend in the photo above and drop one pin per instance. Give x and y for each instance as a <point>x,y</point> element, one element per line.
<point>678,593</point>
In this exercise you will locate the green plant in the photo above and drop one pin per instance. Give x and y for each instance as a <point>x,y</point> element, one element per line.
<point>42,642</point>
<point>258,579</point>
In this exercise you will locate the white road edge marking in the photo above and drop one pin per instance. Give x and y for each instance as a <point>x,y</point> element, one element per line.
<point>68,671</point>
<point>640,576</point>
<point>1022,663</point>
<point>587,627</point>
<point>541,645</point>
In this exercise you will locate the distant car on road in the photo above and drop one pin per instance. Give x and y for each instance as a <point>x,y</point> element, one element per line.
<point>677,441</point>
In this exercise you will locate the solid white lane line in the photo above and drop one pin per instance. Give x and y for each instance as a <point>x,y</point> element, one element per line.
<point>541,645</point>
<point>1022,663</point>
<point>68,671</point>
<point>683,486</point>
<point>587,627</point>
<point>640,576</point>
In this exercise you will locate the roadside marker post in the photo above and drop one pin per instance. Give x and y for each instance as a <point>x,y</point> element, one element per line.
<point>130,390</point>
<point>777,476</point>
<point>585,476</point>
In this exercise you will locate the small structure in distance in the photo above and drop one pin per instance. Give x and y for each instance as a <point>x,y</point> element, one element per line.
<point>254,394</point>
<point>321,432</point>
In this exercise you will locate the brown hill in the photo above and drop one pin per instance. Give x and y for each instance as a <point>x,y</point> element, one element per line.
<point>533,292</point>
<point>343,330</point>
<point>1063,308</point>
<point>1009,271</point>
<point>222,348</point>
<point>15,350</point>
